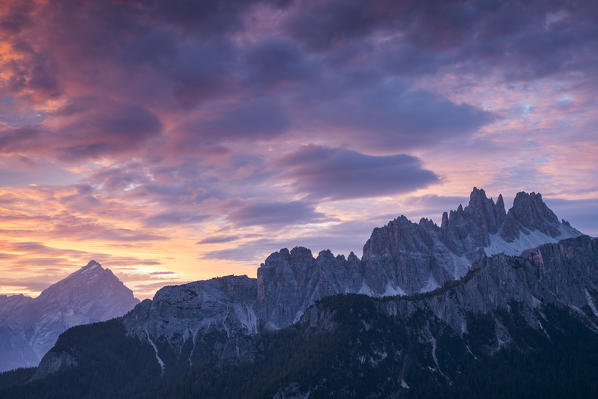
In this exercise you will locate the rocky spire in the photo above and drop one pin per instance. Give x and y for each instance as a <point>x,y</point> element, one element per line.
<point>445,221</point>
<point>500,205</point>
<point>483,211</point>
<point>531,210</point>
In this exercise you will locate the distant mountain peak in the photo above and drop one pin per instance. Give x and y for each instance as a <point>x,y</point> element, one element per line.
<point>90,294</point>
<point>92,265</point>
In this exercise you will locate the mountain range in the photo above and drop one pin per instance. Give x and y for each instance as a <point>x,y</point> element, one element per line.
<point>29,326</point>
<point>488,304</point>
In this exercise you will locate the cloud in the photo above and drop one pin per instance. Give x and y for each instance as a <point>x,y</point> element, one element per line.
<point>218,239</point>
<point>277,62</point>
<point>69,226</point>
<point>25,258</point>
<point>388,117</point>
<point>229,90</point>
<point>18,139</point>
<point>171,218</point>
<point>18,171</point>
<point>272,214</point>
<point>40,248</point>
<point>162,273</point>
<point>116,129</point>
<point>206,18</point>
<point>91,229</point>
<point>258,119</point>
<point>334,173</point>
<point>37,283</point>
<point>322,25</point>
<point>80,133</point>
<point>252,251</point>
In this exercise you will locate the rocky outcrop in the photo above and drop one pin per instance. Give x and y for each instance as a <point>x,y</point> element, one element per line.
<point>289,282</point>
<point>209,319</point>
<point>30,326</point>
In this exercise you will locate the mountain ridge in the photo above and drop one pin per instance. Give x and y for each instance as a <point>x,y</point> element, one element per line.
<point>214,329</point>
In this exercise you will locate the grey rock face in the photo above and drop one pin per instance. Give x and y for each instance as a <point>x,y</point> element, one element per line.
<point>401,258</point>
<point>30,326</point>
<point>288,282</point>
<point>212,317</point>
<point>178,312</point>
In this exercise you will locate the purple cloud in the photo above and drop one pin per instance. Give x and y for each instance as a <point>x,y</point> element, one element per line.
<point>258,119</point>
<point>273,214</point>
<point>277,62</point>
<point>390,118</point>
<point>218,239</point>
<point>333,173</point>
<point>173,218</point>
<point>86,131</point>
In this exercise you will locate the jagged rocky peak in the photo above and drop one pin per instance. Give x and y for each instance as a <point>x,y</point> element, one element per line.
<point>352,257</point>
<point>289,281</point>
<point>485,211</point>
<point>531,211</point>
<point>465,230</point>
<point>92,265</point>
<point>417,257</point>
<point>428,224</point>
<point>91,281</point>
<point>298,255</point>
<point>405,257</point>
<point>500,204</point>
<point>398,235</point>
<point>477,220</point>
<point>531,221</point>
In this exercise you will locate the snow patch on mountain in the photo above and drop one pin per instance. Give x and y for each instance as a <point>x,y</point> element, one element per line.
<point>158,358</point>
<point>524,241</point>
<point>393,291</point>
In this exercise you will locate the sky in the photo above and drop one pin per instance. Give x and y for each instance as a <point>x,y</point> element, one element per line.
<point>177,141</point>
